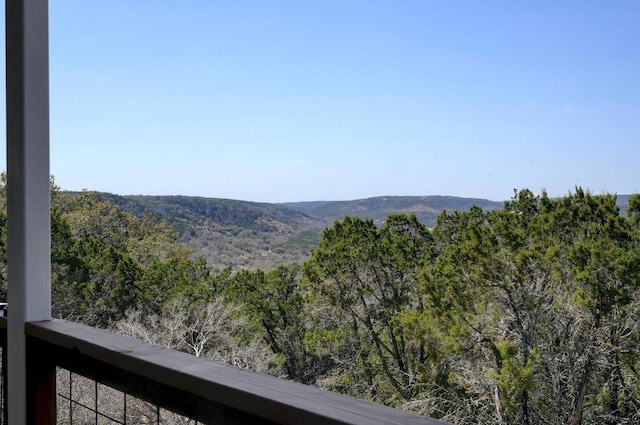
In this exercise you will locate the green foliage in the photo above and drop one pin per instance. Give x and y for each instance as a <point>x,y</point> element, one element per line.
<point>106,261</point>
<point>544,288</point>
<point>526,314</point>
<point>276,304</point>
<point>368,279</point>
<point>174,277</point>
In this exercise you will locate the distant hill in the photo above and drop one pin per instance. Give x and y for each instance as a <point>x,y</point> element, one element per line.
<point>426,208</point>
<point>254,235</point>
<point>233,233</point>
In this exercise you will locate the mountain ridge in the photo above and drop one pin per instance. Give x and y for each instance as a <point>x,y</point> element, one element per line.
<point>379,208</point>
<point>250,235</point>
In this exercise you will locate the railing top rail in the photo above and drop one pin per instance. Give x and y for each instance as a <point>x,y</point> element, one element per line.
<point>268,397</point>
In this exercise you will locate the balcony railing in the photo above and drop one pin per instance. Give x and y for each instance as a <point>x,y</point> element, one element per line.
<point>204,391</point>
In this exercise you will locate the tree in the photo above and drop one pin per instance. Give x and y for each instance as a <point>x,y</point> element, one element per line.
<point>368,278</point>
<point>172,278</point>
<point>106,261</point>
<point>211,329</point>
<point>540,294</point>
<point>275,302</point>
<point>90,217</point>
<point>603,277</point>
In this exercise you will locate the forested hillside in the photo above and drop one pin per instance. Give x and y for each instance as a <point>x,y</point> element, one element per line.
<point>252,235</point>
<point>525,314</point>
<point>226,232</point>
<point>425,208</point>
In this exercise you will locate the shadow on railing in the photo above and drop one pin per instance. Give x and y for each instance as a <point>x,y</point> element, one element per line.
<point>116,379</point>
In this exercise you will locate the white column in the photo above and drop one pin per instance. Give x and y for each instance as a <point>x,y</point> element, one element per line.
<point>28,216</point>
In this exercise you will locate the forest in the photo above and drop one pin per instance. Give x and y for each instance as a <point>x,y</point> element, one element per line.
<point>528,314</point>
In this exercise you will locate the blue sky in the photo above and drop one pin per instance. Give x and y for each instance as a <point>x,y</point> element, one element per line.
<point>328,100</point>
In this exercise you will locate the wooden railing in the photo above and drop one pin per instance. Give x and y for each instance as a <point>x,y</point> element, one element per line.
<point>206,391</point>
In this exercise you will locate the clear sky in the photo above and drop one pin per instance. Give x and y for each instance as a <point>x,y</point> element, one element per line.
<point>275,101</point>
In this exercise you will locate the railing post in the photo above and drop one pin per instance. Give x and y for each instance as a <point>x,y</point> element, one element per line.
<point>41,385</point>
<point>28,216</point>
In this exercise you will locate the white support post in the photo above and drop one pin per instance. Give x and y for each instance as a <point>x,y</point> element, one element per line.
<point>28,198</point>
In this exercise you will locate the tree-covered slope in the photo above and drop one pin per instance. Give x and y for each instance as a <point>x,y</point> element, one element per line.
<point>426,208</point>
<point>524,314</point>
<point>252,235</point>
<point>234,233</point>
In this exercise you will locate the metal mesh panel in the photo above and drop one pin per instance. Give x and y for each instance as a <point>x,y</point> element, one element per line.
<point>3,376</point>
<point>3,379</point>
<point>81,400</point>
